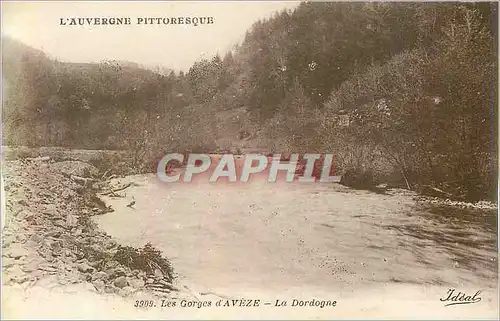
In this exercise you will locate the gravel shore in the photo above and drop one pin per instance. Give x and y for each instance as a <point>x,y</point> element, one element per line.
<point>50,239</point>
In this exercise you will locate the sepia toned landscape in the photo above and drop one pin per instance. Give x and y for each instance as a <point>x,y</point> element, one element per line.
<point>404,95</point>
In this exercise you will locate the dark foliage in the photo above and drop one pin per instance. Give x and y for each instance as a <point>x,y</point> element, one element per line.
<point>147,259</point>
<point>406,90</point>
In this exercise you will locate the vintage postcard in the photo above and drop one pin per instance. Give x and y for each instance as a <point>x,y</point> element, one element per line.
<point>249,160</point>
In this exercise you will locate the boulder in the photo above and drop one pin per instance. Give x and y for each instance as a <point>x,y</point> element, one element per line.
<point>100,275</point>
<point>136,283</point>
<point>71,221</point>
<point>84,268</point>
<point>99,285</point>
<point>120,282</point>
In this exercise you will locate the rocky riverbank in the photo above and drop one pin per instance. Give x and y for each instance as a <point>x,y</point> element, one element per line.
<point>440,201</point>
<point>49,238</point>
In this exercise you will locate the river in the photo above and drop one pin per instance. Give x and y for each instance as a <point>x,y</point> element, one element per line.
<point>323,241</point>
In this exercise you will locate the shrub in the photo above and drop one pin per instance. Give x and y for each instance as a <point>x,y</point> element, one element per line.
<point>147,259</point>
<point>358,178</point>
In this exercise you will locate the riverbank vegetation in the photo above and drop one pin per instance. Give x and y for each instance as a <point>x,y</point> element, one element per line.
<point>401,93</point>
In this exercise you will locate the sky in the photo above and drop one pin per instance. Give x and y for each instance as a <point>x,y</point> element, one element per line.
<point>37,24</point>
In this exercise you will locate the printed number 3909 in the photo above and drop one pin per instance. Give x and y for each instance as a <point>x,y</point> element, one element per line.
<point>144,304</point>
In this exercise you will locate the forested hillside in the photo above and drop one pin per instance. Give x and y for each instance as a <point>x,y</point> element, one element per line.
<point>399,92</point>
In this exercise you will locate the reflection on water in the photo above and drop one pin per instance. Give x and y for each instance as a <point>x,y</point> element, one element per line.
<point>468,235</point>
